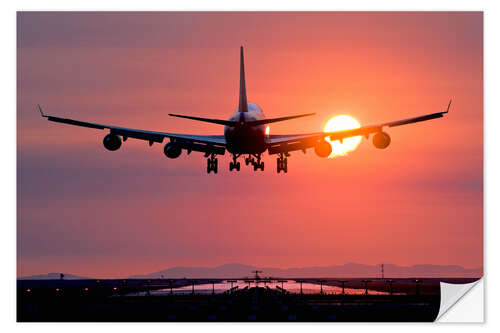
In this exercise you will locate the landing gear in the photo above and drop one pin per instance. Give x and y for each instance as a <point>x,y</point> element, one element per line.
<point>282,164</point>
<point>212,164</point>
<point>249,160</point>
<point>256,164</point>
<point>234,165</point>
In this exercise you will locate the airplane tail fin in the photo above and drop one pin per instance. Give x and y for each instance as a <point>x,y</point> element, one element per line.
<point>243,104</point>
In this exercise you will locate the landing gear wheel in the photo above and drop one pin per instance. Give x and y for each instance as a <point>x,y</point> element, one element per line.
<point>257,164</point>
<point>234,166</point>
<point>281,164</point>
<point>212,164</point>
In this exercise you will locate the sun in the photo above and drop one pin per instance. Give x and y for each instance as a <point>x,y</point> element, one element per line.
<point>342,122</point>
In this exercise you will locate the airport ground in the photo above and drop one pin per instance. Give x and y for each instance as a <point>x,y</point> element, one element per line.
<point>134,300</point>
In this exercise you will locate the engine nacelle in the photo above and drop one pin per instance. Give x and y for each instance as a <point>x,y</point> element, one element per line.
<point>381,140</point>
<point>112,142</point>
<point>172,150</point>
<point>323,149</point>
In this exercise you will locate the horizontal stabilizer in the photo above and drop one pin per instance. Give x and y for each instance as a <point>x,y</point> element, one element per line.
<point>207,120</point>
<point>274,120</point>
<point>246,123</point>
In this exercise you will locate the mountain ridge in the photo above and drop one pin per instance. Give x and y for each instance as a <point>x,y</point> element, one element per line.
<point>352,270</point>
<point>348,270</point>
<point>53,276</point>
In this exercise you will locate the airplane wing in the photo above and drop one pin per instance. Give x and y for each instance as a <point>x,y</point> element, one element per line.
<point>204,143</point>
<point>285,143</point>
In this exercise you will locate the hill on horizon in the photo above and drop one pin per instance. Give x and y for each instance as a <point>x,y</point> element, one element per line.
<point>351,270</point>
<point>53,276</point>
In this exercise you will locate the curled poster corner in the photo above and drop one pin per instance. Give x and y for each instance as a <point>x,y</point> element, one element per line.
<point>461,302</point>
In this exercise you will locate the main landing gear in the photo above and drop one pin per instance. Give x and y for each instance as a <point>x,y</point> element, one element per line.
<point>212,164</point>
<point>257,164</point>
<point>282,163</point>
<point>234,165</point>
<point>255,160</point>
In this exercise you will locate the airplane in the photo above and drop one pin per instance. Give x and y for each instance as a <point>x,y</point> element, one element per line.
<point>244,134</point>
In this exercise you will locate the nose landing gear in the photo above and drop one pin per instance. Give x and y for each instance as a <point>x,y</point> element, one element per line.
<point>282,164</point>
<point>212,164</point>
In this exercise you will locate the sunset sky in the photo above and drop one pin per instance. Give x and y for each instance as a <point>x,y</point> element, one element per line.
<point>87,211</point>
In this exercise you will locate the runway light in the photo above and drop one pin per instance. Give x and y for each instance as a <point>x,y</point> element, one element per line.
<point>115,288</point>
<point>57,289</point>
<point>28,290</point>
<point>86,289</point>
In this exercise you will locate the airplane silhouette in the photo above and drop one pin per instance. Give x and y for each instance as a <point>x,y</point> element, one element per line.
<point>244,134</point>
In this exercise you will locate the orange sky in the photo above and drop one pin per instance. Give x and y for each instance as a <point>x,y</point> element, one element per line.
<point>87,211</point>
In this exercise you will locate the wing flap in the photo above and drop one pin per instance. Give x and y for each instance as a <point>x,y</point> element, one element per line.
<point>138,134</point>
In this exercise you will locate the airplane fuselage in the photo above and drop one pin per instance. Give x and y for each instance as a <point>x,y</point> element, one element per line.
<point>244,139</point>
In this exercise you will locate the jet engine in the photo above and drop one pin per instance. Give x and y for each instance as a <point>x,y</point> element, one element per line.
<point>112,142</point>
<point>172,150</point>
<point>381,140</point>
<point>323,149</point>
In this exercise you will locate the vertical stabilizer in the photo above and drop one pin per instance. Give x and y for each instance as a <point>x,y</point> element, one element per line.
<point>243,105</point>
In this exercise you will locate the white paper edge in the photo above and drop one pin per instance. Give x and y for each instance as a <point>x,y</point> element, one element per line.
<point>461,303</point>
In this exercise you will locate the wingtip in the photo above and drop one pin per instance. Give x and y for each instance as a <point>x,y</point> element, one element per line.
<point>448,108</point>
<point>41,112</point>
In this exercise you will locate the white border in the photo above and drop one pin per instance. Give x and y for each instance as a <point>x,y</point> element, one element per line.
<point>8,165</point>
